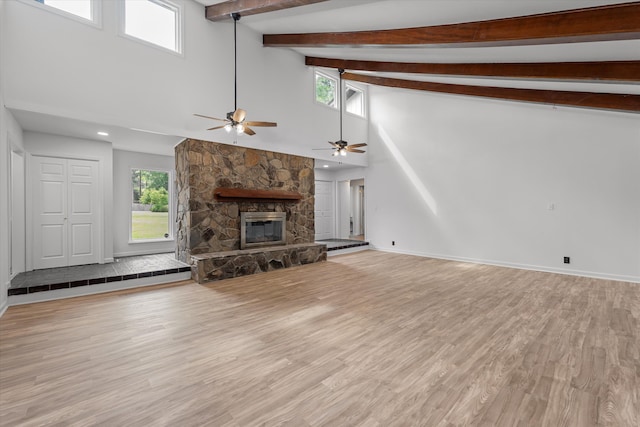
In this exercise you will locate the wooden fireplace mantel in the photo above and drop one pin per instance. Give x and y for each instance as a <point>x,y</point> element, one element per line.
<point>225,194</point>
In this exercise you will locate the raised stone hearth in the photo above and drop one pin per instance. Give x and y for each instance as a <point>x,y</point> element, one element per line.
<point>225,265</point>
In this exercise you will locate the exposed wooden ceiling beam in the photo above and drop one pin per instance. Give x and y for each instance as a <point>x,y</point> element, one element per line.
<point>606,101</point>
<point>614,22</point>
<point>621,71</point>
<point>222,11</point>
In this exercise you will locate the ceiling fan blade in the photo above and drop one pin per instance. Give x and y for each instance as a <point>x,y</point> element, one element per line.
<point>249,131</point>
<point>357,145</point>
<point>212,118</point>
<point>355,150</point>
<point>334,144</point>
<point>263,124</point>
<point>217,127</point>
<point>239,115</point>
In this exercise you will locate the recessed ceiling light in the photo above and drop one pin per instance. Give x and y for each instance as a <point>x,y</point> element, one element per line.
<point>101,133</point>
<point>325,166</point>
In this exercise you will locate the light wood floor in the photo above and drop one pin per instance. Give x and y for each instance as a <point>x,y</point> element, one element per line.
<point>370,339</point>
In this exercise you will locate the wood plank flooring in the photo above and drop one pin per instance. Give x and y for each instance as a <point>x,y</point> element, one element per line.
<point>366,339</point>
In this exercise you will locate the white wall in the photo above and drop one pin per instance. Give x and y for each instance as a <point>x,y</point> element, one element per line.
<point>10,139</point>
<point>59,146</point>
<point>473,179</point>
<point>123,162</point>
<point>17,210</point>
<point>96,75</point>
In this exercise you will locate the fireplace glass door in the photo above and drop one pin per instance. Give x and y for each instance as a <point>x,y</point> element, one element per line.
<point>262,229</point>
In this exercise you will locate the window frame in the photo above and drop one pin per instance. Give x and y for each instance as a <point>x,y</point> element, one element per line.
<point>179,26</point>
<point>337,85</point>
<point>94,21</point>
<point>170,208</point>
<point>364,100</point>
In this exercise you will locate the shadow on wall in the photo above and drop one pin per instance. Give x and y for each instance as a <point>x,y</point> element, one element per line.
<point>426,196</point>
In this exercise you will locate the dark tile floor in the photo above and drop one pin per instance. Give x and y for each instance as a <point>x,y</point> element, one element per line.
<point>125,268</point>
<point>336,244</point>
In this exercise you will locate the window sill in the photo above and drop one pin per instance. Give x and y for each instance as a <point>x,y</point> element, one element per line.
<point>136,242</point>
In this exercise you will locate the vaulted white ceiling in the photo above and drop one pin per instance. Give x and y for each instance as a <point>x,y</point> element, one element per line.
<point>359,15</point>
<point>356,15</point>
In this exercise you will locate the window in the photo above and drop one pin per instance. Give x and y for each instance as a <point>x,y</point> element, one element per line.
<point>153,21</point>
<point>86,10</point>
<point>354,102</point>
<point>150,204</point>
<point>326,89</point>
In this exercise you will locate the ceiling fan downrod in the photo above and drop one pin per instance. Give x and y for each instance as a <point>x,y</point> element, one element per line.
<point>236,18</point>
<point>341,71</point>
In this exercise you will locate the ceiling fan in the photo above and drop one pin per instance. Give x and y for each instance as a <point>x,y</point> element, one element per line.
<point>236,119</point>
<point>341,147</point>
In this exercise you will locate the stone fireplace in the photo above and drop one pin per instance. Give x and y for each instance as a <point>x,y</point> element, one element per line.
<point>219,185</point>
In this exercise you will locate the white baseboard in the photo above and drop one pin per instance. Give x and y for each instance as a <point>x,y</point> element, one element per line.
<point>5,304</point>
<point>591,274</point>
<point>97,289</point>
<point>348,250</point>
<point>108,260</point>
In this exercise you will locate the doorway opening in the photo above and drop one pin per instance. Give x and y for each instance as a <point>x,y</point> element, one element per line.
<point>350,212</point>
<point>357,224</point>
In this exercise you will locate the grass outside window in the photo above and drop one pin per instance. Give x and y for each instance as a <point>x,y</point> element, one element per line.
<point>149,225</point>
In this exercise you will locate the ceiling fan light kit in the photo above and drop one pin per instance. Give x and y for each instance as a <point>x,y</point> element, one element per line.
<point>236,119</point>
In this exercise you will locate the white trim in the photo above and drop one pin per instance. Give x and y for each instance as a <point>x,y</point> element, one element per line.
<point>364,101</point>
<point>142,241</point>
<point>179,22</point>
<point>141,252</point>
<point>96,12</point>
<point>29,203</point>
<point>28,206</point>
<point>171,219</point>
<point>580,273</point>
<point>3,308</point>
<point>18,151</point>
<point>97,289</point>
<point>348,250</point>
<point>9,206</point>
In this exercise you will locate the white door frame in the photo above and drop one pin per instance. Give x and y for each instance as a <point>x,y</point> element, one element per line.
<point>29,203</point>
<point>342,209</point>
<point>17,213</point>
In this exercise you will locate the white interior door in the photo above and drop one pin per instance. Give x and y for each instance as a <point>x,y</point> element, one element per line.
<point>64,212</point>
<point>82,212</point>
<point>49,212</point>
<point>325,210</point>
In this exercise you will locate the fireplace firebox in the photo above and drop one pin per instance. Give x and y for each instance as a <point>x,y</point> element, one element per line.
<point>259,229</point>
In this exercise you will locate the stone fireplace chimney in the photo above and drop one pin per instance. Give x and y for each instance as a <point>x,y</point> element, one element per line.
<point>208,225</point>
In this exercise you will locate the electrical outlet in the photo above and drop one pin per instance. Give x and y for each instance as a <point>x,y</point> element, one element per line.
<point>393,243</point>
<point>567,260</point>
